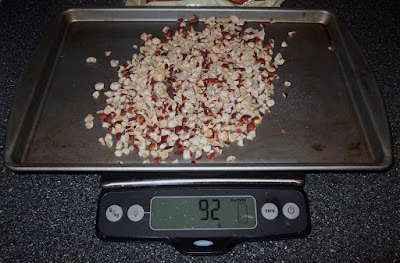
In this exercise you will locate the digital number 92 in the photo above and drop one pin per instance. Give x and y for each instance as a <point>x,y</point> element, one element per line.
<point>209,211</point>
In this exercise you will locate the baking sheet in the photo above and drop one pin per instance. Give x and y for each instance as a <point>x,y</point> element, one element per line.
<point>333,117</point>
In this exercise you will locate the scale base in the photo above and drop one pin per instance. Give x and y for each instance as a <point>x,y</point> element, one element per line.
<point>279,210</point>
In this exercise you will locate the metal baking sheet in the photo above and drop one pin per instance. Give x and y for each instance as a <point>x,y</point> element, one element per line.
<point>333,117</point>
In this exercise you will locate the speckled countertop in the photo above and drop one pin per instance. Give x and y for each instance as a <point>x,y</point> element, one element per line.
<point>355,216</point>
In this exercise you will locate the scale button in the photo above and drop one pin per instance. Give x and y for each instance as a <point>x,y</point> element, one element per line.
<point>291,210</point>
<point>135,213</point>
<point>269,211</point>
<point>114,213</point>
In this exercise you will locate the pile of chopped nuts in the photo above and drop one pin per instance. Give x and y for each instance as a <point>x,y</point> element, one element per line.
<point>192,94</point>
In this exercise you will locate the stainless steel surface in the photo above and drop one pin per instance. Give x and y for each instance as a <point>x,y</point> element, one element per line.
<point>208,182</point>
<point>333,117</point>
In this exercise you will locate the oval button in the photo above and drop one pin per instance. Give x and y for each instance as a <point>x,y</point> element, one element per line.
<point>203,243</point>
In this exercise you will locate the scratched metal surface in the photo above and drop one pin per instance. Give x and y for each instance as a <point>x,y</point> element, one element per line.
<point>333,117</point>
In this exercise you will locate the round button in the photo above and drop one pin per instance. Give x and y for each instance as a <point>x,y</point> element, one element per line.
<point>114,213</point>
<point>135,213</point>
<point>291,210</point>
<point>269,211</point>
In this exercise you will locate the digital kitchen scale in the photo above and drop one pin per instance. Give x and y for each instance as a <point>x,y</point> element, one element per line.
<point>203,215</point>
<point>332,119</point>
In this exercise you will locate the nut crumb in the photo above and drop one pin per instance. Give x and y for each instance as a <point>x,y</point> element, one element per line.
<point>270,103</point>
<point>91,60</point>
<point>186,154</point>
<point>96,94</point>
<point>287,83</point>
<point>284,44</point>
<point>114,63</point>
<point>89,117</point>
<point>99,86</point>
<point>292,33</point>
<point>230,158</point>
<point>115,86</point>
<point>89,124</point>
<point>107,53</point>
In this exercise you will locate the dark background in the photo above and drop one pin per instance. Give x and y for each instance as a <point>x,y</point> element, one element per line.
<point>355,216</point>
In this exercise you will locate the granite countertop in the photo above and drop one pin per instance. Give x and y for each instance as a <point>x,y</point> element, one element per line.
<point>51,217</point>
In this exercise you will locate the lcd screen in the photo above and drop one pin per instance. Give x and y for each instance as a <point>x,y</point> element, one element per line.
<point>203,212</point>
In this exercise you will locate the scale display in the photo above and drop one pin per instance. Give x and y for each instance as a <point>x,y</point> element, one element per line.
<point>202,212</point>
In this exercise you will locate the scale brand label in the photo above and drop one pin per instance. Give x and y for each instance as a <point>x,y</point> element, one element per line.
<point>203,243</point>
